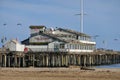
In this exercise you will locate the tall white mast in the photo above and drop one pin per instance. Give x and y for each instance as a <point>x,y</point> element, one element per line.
<point>82,16</point>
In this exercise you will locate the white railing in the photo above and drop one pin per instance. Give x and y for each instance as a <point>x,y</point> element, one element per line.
<point>47,50</point>
<point>56,50</point>
<point>88,42</point>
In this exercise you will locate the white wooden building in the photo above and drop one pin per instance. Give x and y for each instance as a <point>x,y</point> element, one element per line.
<point>59,39</point>
<point>14,45</point>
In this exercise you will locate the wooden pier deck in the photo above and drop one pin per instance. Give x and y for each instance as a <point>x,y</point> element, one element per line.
<point>57,59</point>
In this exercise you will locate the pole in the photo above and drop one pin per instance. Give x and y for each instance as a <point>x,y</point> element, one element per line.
<point>82,16</point>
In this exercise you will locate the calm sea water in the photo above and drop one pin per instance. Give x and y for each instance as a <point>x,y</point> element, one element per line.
<point>109,66</point>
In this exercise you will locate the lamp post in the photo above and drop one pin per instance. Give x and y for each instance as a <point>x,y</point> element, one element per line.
<point>116,40</point>
<point>94,37</point>
<point>4,38</point>
<point>105,44</point>
<point>18,24</point>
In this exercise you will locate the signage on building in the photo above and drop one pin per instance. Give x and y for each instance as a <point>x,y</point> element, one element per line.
<point>40,39</point>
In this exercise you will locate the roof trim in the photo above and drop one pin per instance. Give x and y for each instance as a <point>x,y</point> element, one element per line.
<point>74,32</point>
<point>37,26</point>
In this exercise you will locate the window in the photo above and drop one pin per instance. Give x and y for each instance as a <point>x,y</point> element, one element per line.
<point>78,46</point>
<point>70,46</point>
<point>75,46</point>
<point>62,46</point>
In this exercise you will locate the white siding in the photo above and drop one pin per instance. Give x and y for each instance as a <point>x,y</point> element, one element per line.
<point>14,46</point>
<point>88,42</point>
<point>20,47</point>
<point>11,46</point>
<point>73,50</point>
<point>51,45</point>
<point>37,48</point>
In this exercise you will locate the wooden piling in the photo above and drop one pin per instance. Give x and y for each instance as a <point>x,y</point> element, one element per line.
<point>56,59</point>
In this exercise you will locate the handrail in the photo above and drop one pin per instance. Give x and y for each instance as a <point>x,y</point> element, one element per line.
<point>47,50</point>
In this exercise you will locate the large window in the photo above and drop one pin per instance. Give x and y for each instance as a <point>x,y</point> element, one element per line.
<point>62,46</point>
<point>84,38</point>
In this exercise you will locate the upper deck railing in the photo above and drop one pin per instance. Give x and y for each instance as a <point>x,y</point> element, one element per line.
<point>48,50</point>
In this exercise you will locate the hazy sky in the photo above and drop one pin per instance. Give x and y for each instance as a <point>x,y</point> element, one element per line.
<point>103,18</point>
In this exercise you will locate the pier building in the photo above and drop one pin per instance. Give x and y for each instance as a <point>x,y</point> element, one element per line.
<point>58,39</point>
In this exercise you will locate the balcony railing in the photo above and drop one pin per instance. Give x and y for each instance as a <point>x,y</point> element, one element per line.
<point>47,50</point>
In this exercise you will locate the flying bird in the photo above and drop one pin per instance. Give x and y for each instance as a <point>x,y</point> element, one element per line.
<point>4,24</point>
<point>19,24</point>
<point>116,39</point>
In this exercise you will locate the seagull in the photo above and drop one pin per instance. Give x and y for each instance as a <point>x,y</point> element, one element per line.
<point>19,24</point>
<point>4,24</point>
<point>116,39</point>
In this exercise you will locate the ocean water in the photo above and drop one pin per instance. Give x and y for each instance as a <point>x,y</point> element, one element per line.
<point>109,66</point>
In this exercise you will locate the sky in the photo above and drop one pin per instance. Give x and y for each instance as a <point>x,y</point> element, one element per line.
<point>102,18</point>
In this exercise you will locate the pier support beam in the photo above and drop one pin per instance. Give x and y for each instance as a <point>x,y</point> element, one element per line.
<point>0,60</point>
<point>5,60</point>
<point>24,61</point>
<point>85,60</point>
<point>79,62</point>
<point>15,61</point>
<point>46,60</point>
<point>19,58</point>
<point>9,60</point>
